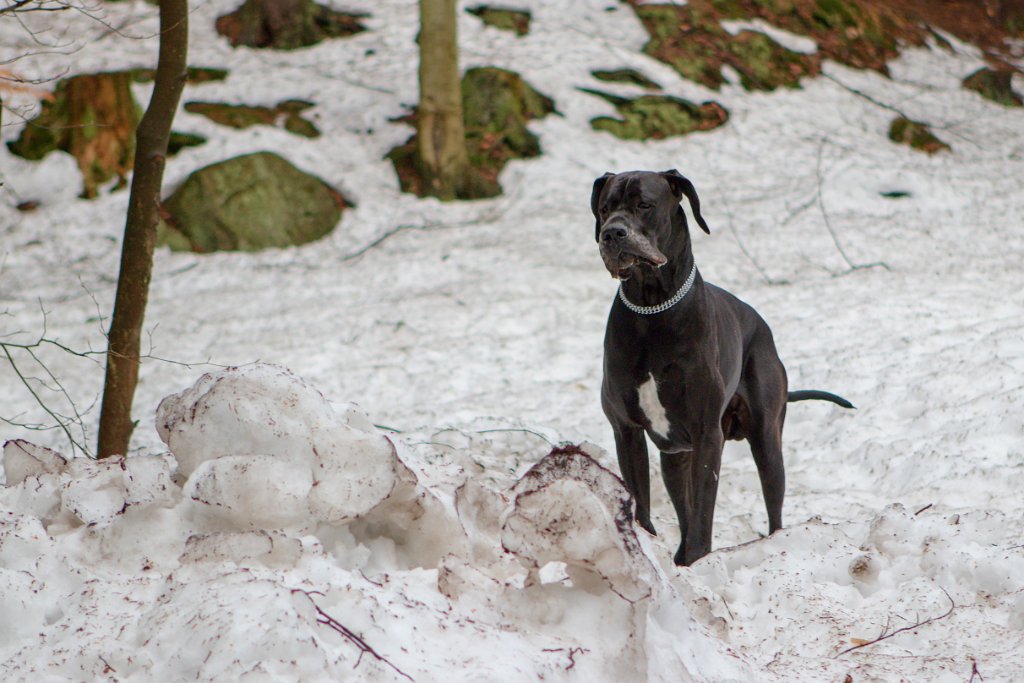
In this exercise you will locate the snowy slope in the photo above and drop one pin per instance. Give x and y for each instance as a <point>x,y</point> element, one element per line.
<point>473,335</point>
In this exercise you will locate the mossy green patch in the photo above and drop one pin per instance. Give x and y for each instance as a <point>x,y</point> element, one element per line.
<point>285,114</point>
<point>179,141</point>
<point>631,76</point>
<point>496,106</point>
<point>994,85</point>
<point>915,134</point>
<point>515,20</point>
<point>193,75</point>
<point>691,39</point>
<point>252,202</point>
<point>657,116</point>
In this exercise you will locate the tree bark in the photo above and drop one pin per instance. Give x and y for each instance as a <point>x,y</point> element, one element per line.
<point>151,138</point>
<point>442,139</point>
<point>92,117</point>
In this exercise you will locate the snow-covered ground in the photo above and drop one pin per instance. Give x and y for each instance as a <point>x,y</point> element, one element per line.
<point>471,337</point>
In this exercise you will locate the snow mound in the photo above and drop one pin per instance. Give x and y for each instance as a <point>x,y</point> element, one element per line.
<point>281,540</point>
<point>262,449</point>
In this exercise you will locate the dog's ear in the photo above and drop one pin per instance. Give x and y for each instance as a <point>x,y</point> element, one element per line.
<point>595,197</point>
<point>682,186</point>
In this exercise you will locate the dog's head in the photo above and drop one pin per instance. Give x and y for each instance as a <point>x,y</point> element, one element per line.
<point>639,221</point>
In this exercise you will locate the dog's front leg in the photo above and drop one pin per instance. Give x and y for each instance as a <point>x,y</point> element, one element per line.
<point>705,464</point>
<point>631,447</point>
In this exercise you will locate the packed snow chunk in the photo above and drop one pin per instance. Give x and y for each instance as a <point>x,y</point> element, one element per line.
<point>260,408</point>
<point>96,491</point>
<point>413,527</point>
<point>353,471</point>
<point>262,449</point>
<point>251,492</point>
<point>568,508</point>
<point>23,459</point>
<point>246,548</point>
<point>223,627</point>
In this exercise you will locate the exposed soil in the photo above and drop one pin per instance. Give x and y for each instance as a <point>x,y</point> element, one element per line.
<point>917,135</point>
<point>864,34</point>
<point>507,19</point>
<point>286,24</point>
<point>631,76</point>
<point>285,114</point>
<point>653,117</point>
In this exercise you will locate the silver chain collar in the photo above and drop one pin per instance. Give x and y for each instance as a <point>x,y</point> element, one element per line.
<point>664,306</point>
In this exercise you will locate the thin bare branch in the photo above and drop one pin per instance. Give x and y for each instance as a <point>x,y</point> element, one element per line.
<point>335,625</point>
<point>828,221</point>
<point>886,633</point>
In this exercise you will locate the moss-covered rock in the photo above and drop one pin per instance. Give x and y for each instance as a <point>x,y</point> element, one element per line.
<point>994,85</point>
<point>631,76</point>
<point>285,114</point>
<point>653,117</point>
<point>286,24</point>
<point>496,104</point>
<point>515,20</point>
<point>915,134</point>
<point>247,203</point>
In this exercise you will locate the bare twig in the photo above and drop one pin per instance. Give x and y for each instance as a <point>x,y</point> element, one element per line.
<point>335,625</point>
<point>72,425</point>
<point>864,95</point>
<point>923,509</point>
<point>571,652</point>
<point>828,221</point>
<point>975,672</point>
<point>524,431</point>
<point>390,233</point>
<point>886,633</point>
<point>743,248</point>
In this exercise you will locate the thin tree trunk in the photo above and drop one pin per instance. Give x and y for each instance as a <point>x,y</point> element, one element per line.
<point>140,232</point>
<point>442,138</point>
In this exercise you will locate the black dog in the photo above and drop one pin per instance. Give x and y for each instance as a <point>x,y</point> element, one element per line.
<point>684,361</point>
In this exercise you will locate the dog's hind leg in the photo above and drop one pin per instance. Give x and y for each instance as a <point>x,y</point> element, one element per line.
<point>631,448</point>
<point>766,445</point>
<point>765,381</point>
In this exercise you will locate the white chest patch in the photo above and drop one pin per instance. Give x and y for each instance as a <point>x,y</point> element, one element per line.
<point>652,407</point>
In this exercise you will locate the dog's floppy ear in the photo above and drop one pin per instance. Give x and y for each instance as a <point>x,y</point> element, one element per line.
<point>595,197</point>
<point>681,186</point>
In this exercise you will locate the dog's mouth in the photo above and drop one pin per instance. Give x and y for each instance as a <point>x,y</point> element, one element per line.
<point>623,261</point>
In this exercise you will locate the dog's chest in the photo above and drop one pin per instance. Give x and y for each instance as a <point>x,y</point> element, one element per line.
<point>656,404</point>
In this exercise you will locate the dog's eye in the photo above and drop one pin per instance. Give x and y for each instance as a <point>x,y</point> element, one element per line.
<point>643,206</point>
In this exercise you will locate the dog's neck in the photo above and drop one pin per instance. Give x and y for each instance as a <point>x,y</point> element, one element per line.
<point>649,286</point>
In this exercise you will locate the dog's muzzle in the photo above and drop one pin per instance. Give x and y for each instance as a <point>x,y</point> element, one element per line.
<point>623,248</point>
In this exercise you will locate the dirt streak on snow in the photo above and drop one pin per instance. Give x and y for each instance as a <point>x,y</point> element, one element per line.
<point>476,331</point>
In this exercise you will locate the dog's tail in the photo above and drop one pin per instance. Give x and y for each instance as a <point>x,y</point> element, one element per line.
<point>815,395</point>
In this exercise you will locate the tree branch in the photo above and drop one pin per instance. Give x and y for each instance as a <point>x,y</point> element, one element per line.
<point>335,625</point>
<point>886,633</point>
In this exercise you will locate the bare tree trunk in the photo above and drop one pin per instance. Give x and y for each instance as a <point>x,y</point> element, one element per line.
<point>140,232</point>
<point>442,139</point>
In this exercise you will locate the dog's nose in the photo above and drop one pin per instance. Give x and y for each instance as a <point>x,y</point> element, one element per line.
<point>613,233</point>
